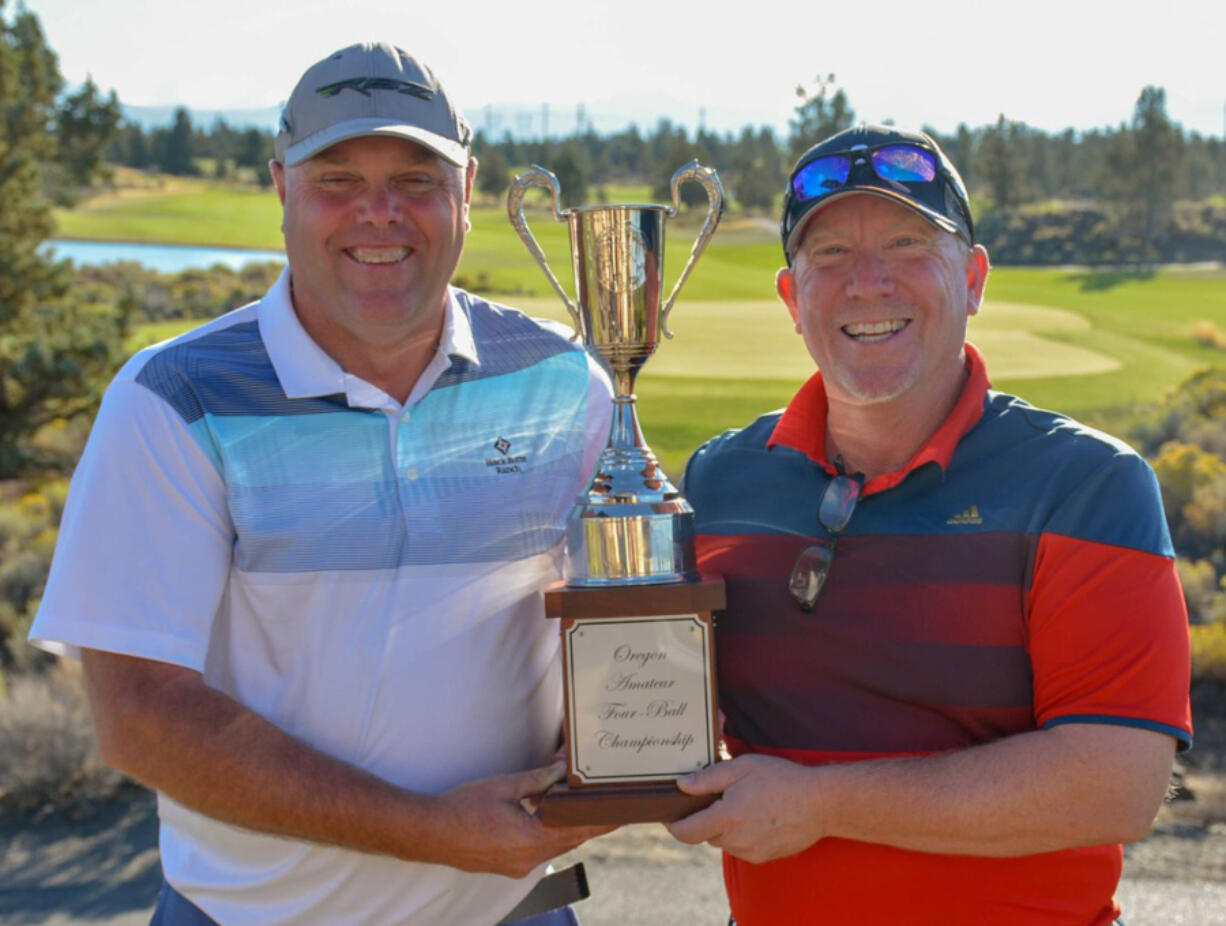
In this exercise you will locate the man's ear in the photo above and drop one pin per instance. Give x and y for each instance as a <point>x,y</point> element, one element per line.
<point>977,268</point>
<point>277,169</point>
<point>470,175</point>
<point>785,286</point>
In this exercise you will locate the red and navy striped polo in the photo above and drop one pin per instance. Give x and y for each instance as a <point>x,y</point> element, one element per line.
<point>1016,574</point>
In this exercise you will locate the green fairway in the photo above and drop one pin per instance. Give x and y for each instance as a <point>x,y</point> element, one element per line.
<point>734,360</point>
<point>1082,341</point>
<point>185,213</point>
<point>1142,321</point>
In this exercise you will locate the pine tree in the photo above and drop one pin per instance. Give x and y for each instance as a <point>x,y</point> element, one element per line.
<point>85,124</point>
<point>821,112</point>
<point>998,163</point>
<point>1157,148</point>
<point>493,175</point>
<point>178,149</point>
<point>53,357</point>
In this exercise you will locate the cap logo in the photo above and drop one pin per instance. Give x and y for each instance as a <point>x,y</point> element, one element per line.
<point>364,85</point>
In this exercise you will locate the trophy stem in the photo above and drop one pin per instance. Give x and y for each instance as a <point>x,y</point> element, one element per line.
<point>632,527</point>
<point>627,451</point>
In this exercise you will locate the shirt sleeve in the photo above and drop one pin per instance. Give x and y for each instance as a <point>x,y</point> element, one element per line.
<point>1107,622</point>
<point>144,547</point>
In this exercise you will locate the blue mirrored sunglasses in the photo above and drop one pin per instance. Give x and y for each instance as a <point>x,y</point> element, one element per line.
<point>900,163</point>
<point>812,566</point>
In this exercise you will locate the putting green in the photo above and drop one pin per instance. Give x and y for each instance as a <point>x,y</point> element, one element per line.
<point>1011,337</point>
<point>754,340</point>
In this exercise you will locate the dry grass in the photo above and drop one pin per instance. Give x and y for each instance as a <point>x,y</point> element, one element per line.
<point>1209,652</point>
<point>1209,334</point>
<point>48,755</point>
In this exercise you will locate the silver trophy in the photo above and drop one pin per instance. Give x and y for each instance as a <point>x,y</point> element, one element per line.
<point>632,527</point>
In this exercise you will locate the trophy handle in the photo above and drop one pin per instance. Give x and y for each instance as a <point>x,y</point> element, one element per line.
<point>715,209</point>
<point>539,176</point>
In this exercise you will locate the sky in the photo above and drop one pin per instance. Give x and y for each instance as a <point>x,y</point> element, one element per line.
<point>1053,64</point>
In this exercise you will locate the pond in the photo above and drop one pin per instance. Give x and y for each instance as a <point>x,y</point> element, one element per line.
<point>164,258</point>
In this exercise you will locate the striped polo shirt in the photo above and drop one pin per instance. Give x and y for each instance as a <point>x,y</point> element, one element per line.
<point>1016,574</point>
<point>364,574</point>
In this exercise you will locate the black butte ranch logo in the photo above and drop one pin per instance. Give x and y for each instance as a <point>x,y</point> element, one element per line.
<point>505,462</point>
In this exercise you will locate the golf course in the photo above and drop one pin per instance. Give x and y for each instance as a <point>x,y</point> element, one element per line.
<point>1096,343</point>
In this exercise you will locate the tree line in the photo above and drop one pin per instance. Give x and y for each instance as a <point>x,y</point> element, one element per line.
<point>1005,164</point>
<point>1144,165</point>
<point>179,148</point>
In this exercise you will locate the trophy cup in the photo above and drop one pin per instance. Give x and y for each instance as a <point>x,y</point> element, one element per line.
<point>636,618</point>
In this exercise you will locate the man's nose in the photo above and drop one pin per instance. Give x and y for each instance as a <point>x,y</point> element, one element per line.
<point>870,275</point>
<point>380,206</point>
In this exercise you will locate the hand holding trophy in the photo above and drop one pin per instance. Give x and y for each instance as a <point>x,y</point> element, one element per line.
<point>638,658</point>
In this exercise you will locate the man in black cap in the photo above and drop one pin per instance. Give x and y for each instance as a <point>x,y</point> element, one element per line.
<point>304,553</point>
<point>954,662</point>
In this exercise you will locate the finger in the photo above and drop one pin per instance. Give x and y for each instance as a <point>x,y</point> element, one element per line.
<point>704,826</point>
<point>714,779</point>
<point>572,836</point>
<point>535,782</point>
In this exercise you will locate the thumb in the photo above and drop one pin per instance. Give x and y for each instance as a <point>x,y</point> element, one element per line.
<point>536,781</point>
<point>713,779</point>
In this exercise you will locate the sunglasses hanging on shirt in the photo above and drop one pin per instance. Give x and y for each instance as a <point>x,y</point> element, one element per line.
<point>812,566</point>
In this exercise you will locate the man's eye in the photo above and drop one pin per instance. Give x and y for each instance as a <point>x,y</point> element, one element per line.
<point>418,182</point>
<point>336,180</point>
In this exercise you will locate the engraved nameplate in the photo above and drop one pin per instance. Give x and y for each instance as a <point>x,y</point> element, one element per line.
<point>641,704</point>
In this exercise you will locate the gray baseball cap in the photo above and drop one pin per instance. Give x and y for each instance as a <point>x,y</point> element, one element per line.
<point>370,89</point>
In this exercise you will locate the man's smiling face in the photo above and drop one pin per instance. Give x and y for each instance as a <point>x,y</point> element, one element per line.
<point>374,227</point>
<point>881,297</point>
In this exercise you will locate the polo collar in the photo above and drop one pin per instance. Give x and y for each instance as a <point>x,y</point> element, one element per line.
<point>305,370</point>
<point>803,424</point>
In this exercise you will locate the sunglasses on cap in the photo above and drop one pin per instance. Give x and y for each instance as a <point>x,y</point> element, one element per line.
<point>812,566</point>
<point>895,163</point>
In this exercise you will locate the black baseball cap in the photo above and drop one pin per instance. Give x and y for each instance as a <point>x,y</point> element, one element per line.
<point>905,166</point>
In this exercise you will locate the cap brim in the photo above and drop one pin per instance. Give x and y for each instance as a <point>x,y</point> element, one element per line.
<point>940,221</point>
<point>451,151</point>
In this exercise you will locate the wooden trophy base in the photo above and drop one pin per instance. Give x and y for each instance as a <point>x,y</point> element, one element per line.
<point>602,614</point>
<point>661,802</point>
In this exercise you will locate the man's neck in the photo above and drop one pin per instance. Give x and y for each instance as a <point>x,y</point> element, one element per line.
<point>393,367</point>
<point>880,437</point>
<point>394,370</point>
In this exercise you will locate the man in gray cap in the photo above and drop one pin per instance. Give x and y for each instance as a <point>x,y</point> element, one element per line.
<point>303,555</point>
<point>954,661</point>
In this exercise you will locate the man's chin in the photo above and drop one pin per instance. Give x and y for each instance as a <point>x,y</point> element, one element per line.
<point>874,390</point>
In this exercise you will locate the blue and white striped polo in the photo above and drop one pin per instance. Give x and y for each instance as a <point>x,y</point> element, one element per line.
<point>363,574</point>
